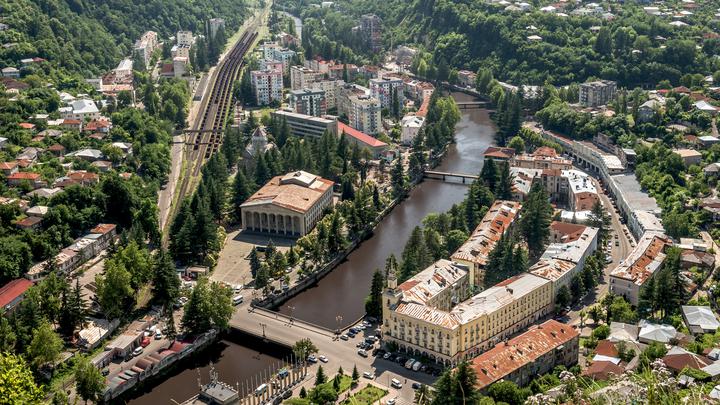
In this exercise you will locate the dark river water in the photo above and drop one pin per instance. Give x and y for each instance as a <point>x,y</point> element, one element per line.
<point>343,291</point>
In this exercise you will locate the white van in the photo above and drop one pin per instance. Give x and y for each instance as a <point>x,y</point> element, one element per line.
<point>260,390</point>
<point>416,366</point>
<point>395,383</point>
<point>237,300</point>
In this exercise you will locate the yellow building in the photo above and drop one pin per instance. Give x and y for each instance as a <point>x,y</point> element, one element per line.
<point>475,252</point>
<point>425,315</point>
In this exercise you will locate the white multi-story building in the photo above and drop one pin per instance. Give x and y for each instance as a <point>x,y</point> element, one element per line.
<point>267,86</point>
<point>301,77</point>
<point>410,127</point>
<point>184,38</point>
<point>385,89</point>
<point>215,25</point>
<point>146,45</point>
<point>272,50</point>
<point>597,93</point>
<point>80,110</point>
<point>364,113</point>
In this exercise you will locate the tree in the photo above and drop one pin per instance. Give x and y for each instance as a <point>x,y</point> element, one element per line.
<point>563,297</point>
<point>254,262</point>
<point>373,303</point>
<point>89,382</point>
<point>576,287</point>
<point>304,348</point>
<point>7,336</point>
<point>423,395</point>
<point>505,182</point>
<point>166,283</point>
<point>113,290</point>
<point>603,42</point>
<point>506,392</point>
<point>303,393</point>
<point>45,346</point>
<point>517,143</point>
<point>73,310</point>
<point>457,386</point>
<point>241,191</point>
<point>320,377</point>
<point>355,374</point>
<point>535,222</point>
<point>17,384</point>
<point>489,174</point>
<point>210,306</point>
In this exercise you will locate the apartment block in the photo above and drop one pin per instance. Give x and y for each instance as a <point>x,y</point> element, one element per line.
<point>385,89</point>
<point>597,93</point>
<point>301,77</point>
<point>308,102</point>
<point>267,86</point>
<point>628,278</point>
<point>371,28</point>
<point>364,113</point>
<point>145,46</point>
<point>272,50</point>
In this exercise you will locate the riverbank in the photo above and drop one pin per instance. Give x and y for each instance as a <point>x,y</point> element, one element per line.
<point>341,292</point>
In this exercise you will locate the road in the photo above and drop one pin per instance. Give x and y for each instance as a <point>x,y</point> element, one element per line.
<point>167,193</point>
<point>618,253</point>
<point>340,353</point>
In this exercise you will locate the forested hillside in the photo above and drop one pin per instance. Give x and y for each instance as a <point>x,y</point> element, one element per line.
<point>625,44</point>
<point>90,36</point>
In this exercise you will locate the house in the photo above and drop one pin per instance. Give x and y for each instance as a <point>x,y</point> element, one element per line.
<point>37,211</point>
<point>678,359</point>
<point>18,178</point>
<point>704,106</point>
<point>648,110</point>
<point>410,126</point>
<point>689,156</point>
<point>98,125</point>
<point>56,149</point>
<point>11,72</point>
<point>44,192</point>
<point>8,168</point>
<point>71,124</point>
<point>82,109</point>
<point>641,264</point>
<point>712,170</point>
<point>125,147</point>
<point>708,140</point>
<point>90,155</point>
<point>12,293</point>
<point>650,332</point>
<point>499,154</point>
<point>102,165</point>
<point>29,223</point>
<point>700,319</point>
<point>603,370</point>
<point>623,332</point>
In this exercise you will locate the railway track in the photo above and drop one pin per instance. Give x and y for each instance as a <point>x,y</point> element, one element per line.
<point>206,136</point>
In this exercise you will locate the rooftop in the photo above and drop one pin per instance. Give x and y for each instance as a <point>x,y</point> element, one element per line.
<point>524,349</point>
<point>701,316</point>
<point>644,260</point>
<point>360,136</point>
<point>296,191</point>
<point>430,282</point>
<point>483,239</point>
<point>634,196</point>
<point>12,290</point>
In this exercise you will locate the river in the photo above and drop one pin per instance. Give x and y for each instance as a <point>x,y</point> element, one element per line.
<point>343,291</point>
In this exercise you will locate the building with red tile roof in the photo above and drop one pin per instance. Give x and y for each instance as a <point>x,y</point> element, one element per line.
<point>29,223</point>
<point>528,355</point>
<point>603,370</point>
<point>643,263</point>
<point>12,293</point>
<point>26,125</point>
<point>361,139</point>
<point>18,178</point>
<point>499,154</point>
<point>9,168</point>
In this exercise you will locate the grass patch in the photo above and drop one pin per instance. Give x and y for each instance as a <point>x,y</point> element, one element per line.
<point>345,383</point>
<point>297,401</point>
<point>366,396</point>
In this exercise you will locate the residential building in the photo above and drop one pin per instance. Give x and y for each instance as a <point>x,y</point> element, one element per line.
<point>184,39</point>
<point>271,64</point>
<point>18,178</point>
<point>308,102</point>
<point>371,27</point>
<point>11,72</point>
<point>542,158</point>
<point>628,278</point>
<point>267,86</point>
<point>700,319</point>
<point>8,168</point>
<point>329,88</point>
<point>565,257</point>
<point>362,140</point>
<point>81,110</point>
<point>145,46</point>
<point>650,332</point>
<point>272,50</point>
<point>364,113</point>
<point>387,90</point>
<point>303,125</point>
<point>535,352</point>
<point>418,90</point>
<point>475,252</point>
<point>12,294</point>
<point>343,94</point>
<point>689,156</point>
<point>467,78</point>
<point>215,25</point>
<point>423,325</point>
<point>499,154</point>
<point>301,77</point>
<point>410,127</point>
<point>182,51</point>
<point>597,93</point>
<point>287,205</point>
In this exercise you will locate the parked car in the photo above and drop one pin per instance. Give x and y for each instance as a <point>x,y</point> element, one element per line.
<point>312,359</point>
<point>368,375</point>
<point>416,385</point>
<point>386,356</point>
<point>145,341</point>
<point>362,352</point>
<point>323,358</point>
<point>390,401</point>
<point>138,351</point>
<point>158,335</point>
<point>395,383</point>
<point>344,337</point>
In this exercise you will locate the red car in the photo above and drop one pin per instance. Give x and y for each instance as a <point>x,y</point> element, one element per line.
<point>145,342</point>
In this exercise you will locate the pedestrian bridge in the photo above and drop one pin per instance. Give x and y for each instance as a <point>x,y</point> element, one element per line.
<point>471,105</point>
<point>445,176</point>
